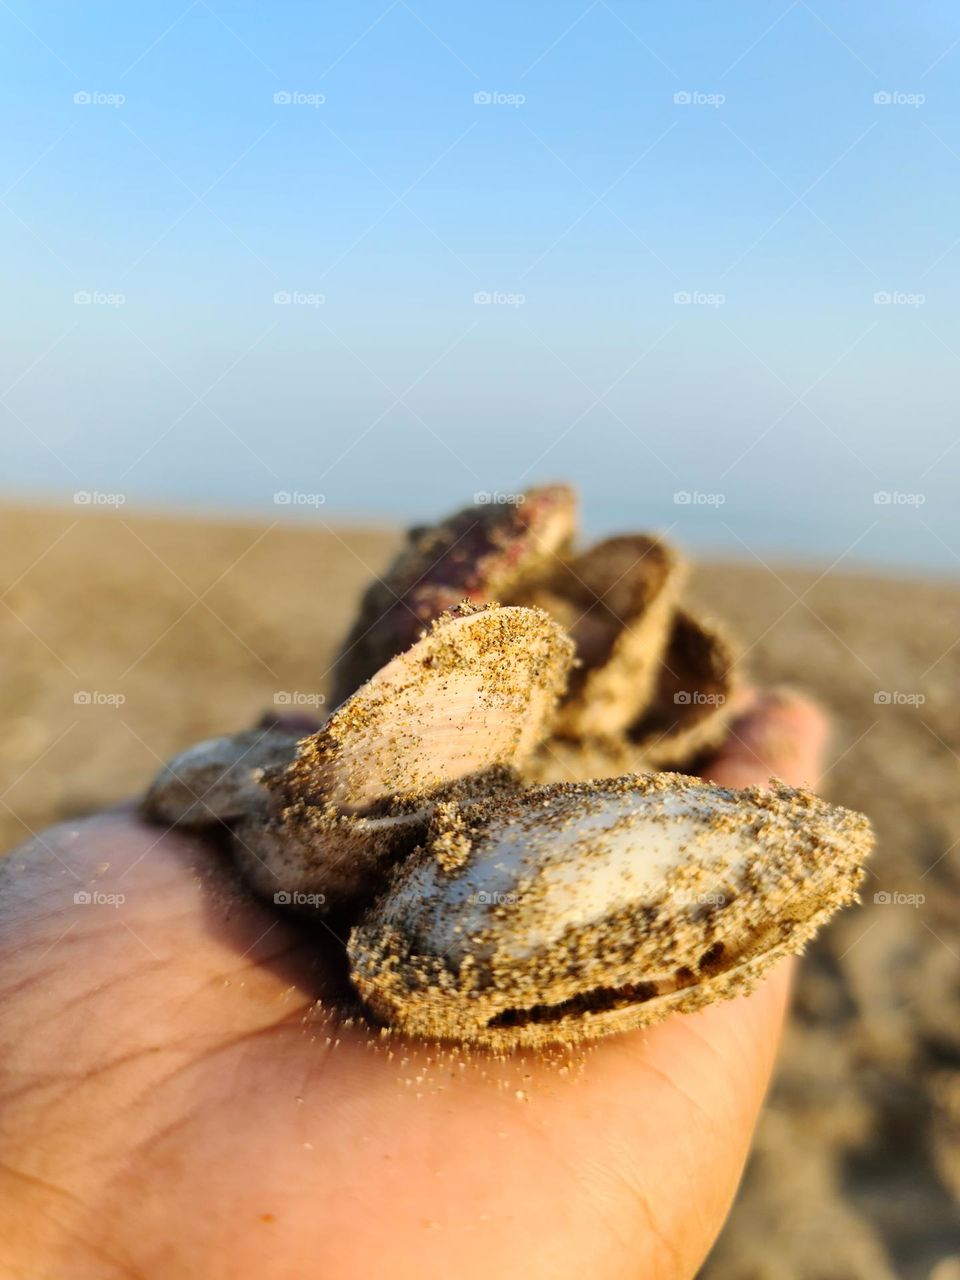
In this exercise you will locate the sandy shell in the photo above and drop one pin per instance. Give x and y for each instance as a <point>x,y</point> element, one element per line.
<point>616,600</point>
<point>218,780</point>
<point>638,654</point>
<point>478,691</point>
<point>326,817</point>
<point>585,910</point>
<point>482,553</point>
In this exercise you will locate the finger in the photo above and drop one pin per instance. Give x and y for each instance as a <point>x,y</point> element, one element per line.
<point>780,734</point>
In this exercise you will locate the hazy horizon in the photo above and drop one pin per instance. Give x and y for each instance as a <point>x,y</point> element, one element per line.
<point>394,254</point>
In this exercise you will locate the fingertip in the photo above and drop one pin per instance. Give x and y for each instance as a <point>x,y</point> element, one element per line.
<point>783,734</point>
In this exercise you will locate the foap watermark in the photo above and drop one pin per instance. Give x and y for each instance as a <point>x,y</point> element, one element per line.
<point>895,498</point>
<point>894,898</point>
<point>95,898</point>
<point>297,98</point>
<point>294,898</point>
<point>297,698</point>
<point>294,498</point>
<point>94,498</point>
<point>495,899</point>
<point>897,98</point>
<point>97,98</point>
<point>494,498</point>
<point>95,698</point>
<point>498,298</point>
<point>697,98</point>
<point>704,899</point>
<point>697,298</point>
<point>697,698</point>
<point>97,298</point>
<point>694,498</point>
<point>297,298</point>
<point>496,98</point>
<point>897,698</point>
<point>898,298</point>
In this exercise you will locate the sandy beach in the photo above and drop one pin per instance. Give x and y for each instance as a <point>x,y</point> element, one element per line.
<point>129,636</point>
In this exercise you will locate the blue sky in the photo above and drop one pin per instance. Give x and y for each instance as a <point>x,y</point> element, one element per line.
<point>783,165</point>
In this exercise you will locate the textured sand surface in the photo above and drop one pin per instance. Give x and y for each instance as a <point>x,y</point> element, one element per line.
<point>201,626</point>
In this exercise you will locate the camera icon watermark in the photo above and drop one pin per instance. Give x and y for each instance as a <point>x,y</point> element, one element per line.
<point>297,98</point>
<point>894,498</point>
<point>898,298</point>
<point>297,698</point>
<point>498,298</point>
<point>95,698</point>
<point>97,298</point>
<point>698,298</point>
<point>486,498</point>
<point>298,298</point>
<point>294,498</point>
<point>494,98</point>
<point>897,98</point>
<point>94,498</point>
<point>694,498</point>
<point>696,98</point>
<point>294,898</point>
<point>94,898</point>
<point>96,98</point>
<point>897,698</point>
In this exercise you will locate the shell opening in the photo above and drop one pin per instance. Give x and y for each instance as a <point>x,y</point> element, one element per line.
<point>607,999</point>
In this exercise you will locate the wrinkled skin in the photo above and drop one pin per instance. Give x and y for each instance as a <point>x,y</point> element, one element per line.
<point>170,1107</point>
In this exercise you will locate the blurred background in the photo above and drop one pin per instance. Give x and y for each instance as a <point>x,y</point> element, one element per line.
<point>282,278</point>
<point>386,255</point>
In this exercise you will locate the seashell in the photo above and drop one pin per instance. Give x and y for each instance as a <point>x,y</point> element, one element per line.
<point>327,816</point>
<point>486,909</point>
<point>690,706</point>
<point>652,687</point>
<point>585,910</point>
<point>686,716</point>
<point>616,601</point>
<point>218,780</point>
<point>477,691</point>
<point>478,554</point>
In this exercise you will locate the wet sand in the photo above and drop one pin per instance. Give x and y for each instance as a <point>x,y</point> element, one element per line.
<point>126,637</point>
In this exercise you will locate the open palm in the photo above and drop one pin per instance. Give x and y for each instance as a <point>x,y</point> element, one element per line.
<point>175,1103</point>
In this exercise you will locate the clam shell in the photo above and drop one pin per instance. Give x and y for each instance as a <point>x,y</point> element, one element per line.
<point>478,691</point>
<point>617,602</point>
<point>470,700</point>
<point>320,860</point>
<point>686,717</point>
<point>478,554</point>
<point>585,910</point>
<point>218,780</point>
<point>691,705</point>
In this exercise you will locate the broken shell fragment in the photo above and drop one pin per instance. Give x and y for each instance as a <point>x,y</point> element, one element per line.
<point>586,910</point>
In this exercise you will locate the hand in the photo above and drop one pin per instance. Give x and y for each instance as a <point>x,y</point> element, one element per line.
<point>173,1105</point>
